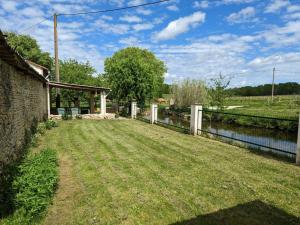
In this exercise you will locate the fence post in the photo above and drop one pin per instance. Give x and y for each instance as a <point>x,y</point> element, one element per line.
<point>298,145</point>
<point>153,118</point>
<point>133,110</point>
<point>199,125</point>
<point>196,119</point>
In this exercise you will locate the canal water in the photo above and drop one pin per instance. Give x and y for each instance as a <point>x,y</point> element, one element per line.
<point>275,140</point>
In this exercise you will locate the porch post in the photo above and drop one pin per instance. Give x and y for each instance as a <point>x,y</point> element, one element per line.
<point>48,100</point>
<point>92,102</point>
<point>298,145</point>
<point>103,102</point>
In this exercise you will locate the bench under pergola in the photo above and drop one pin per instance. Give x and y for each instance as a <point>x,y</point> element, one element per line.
<point>91,89</point>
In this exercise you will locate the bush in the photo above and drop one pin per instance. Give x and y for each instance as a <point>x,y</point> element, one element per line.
<point>49,124</point>
<point>35,183</point>
<point>188,92</point>
<point>35,139</point>
<point>41,128</point>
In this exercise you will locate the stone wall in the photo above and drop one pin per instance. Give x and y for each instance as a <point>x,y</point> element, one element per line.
<point>23,103</point>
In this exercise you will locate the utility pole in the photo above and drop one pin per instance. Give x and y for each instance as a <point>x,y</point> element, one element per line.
<point>273,84</point>
<point>56,60</point>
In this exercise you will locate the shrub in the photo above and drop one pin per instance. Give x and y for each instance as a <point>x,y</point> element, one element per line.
<point>34,139</point>
<point>35,183</point>
<point>188,92</point>
<point>49,124</point>
<point>41,128</point>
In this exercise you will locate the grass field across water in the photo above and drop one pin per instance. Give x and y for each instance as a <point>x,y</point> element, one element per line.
<point>284,106</point>
<point>130,172</point>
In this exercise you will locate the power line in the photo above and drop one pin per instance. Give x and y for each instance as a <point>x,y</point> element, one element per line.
<point>49,17</point>
<point>94,12</point>
<point>114,9</point>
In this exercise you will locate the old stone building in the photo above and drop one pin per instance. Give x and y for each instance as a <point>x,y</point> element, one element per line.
<point>23,102</point>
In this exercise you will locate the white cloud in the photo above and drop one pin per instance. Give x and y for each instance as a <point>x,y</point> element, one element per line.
<point>245,15</point>
<point>206,57</point>
<point>129,41</point>
<point>173,8</point>
<point>143,11</point>
<point>119,3</point>
<point>276,6</point>
<point>143,26</point>
<point>180,26</point>
<point>105,17</point>
<point>228,2</point>
<point>131,19</point>
<point>31,12</point>
<point>200,4</point>
<point>286,35</point>
<point>9,6</point>
<point>293,8</point>
<point>111,28</point>
<point>68,8</point>
<point>136,2</point>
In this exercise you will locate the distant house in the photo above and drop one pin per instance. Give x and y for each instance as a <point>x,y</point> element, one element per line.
<point>38,68</point>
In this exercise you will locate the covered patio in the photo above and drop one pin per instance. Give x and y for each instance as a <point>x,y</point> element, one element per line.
<point>102,91</point>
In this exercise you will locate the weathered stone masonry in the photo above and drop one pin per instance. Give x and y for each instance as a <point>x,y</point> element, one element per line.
<point>23,102</point>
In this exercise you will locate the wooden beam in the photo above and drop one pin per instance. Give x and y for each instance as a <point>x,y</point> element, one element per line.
<point>78,87</point>
<point>92,102</point>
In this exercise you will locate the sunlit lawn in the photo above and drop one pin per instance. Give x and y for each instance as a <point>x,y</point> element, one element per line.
<point>130,172</point>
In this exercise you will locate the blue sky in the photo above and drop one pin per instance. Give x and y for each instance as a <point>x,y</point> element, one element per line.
<point>243,39</point>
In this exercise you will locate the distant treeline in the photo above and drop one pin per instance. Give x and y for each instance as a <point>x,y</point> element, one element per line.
<point>289,88</point>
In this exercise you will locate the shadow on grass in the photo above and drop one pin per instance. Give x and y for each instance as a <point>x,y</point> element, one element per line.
<point>251,213</point>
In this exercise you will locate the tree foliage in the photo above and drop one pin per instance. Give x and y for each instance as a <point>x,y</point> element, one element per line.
<point>72,71</point>
<point>188,92</point>
<point>134,73</point>
<point>29,49</point>
<point>288,88</point>
<point>217,91</point>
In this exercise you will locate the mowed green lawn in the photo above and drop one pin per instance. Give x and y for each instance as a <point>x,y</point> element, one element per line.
<point>131,172</point>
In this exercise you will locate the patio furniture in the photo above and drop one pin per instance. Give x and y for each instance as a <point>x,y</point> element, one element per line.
<point>61,111</point>
<point>74,111</point>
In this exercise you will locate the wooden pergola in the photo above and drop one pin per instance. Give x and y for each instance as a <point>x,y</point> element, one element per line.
<point>91,89</point>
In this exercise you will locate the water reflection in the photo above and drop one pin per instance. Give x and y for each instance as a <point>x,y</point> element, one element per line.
<point>271,138</point>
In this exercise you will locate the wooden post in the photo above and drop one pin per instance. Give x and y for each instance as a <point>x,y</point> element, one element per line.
<point>92,102</point>
<point>298,145</point>
<point>56,49</point>
<point>56,60</point>
<point>153,117</point>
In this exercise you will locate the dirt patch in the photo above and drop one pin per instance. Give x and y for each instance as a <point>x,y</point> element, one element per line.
<point>67,195</point>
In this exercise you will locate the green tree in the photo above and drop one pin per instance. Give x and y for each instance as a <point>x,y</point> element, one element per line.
<point>72,71</point>
<point>29,49</point>
<point>134,73</point>
<point>217,91</point>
